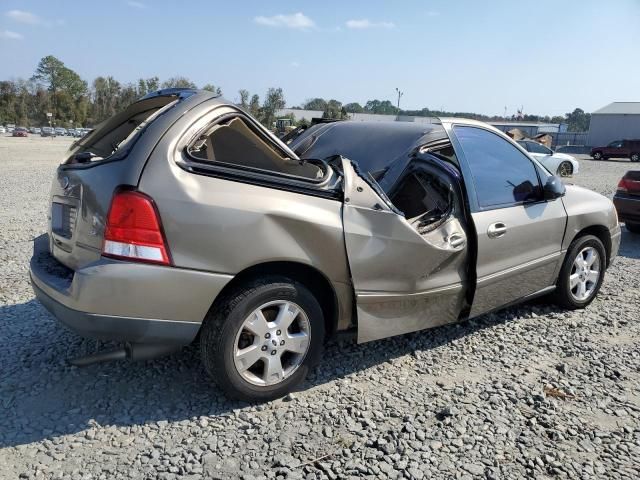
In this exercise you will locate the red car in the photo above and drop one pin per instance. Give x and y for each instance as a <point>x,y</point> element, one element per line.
<point>618,149</point>
<point>20,132</point>
<point>627,200</point>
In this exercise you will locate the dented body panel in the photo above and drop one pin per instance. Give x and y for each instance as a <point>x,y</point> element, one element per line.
<point>403,281</point>
<point>389,272</point>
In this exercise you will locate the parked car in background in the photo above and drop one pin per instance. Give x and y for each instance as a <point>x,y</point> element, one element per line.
<point>459,221</point>
<point>627,200</point>
<point>557,163</point>
<point>61,131</point>
<point>37,130</point>
<point>10,128</point>
<point>48,132</point>
<point>618,149</point>
<point>20,132</point>
<point>2,129</point>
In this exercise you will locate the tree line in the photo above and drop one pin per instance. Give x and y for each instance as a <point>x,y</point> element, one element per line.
<point>72,101</point>
<point>55,88</point>
<point>577,121</point>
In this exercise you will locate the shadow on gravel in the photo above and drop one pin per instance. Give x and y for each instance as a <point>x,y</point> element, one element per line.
<point>629,245</point>
<point>42,397</point>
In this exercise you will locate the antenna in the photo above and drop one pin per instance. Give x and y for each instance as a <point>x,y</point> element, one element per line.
<point>400,94</point>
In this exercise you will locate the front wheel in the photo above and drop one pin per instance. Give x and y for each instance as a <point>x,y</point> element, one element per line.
<point>635,157</point>
<point>581,274</point>
<point>597,156</point>
<point>565,169</point>
<point>260,341</point>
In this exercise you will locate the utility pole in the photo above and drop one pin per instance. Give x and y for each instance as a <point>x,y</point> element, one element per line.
<point>399,95</point>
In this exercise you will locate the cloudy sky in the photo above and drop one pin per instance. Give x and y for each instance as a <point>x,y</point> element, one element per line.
<point>548,56</point>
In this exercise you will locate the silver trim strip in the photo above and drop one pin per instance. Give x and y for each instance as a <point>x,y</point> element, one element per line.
<point>375,297</point>
<point>493,276</point>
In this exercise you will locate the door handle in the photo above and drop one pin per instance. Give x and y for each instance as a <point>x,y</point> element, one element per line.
<point>457,240</point>
<point>496,230</point>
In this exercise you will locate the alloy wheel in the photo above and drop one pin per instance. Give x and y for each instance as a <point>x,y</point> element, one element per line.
<point>565,169</point>
<point>585,274</point>
<point>272,343</point>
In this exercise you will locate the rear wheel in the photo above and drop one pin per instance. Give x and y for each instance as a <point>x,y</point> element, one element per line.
<point>632,227</point>
<point>581,274</point>
<point>565,169</point>
<point>597,156</point>
<point>259,342</point>
<point>635,157</point>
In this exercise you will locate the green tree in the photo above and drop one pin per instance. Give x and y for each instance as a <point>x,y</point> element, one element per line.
<point>578,120</point>
<point>334,110</point>
<point>212,88</point>
<point>254,107</point>
<point>64,84</point>
<point>273,101</point>
<point>106,94</point>
<point>147,85</point>
<point>178,82</point>
<point>354,107</point>
<point>315,104</point>
<point>384,107</point>
<point>244,98</point>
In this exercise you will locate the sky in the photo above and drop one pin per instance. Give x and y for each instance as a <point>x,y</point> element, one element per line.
<point>548,56</point>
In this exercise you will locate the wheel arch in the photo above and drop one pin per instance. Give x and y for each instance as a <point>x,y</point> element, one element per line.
<point>312,278</point>
<point>601,233</point>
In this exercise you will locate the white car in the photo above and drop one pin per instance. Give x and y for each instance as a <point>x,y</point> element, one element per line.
<point>558,163</point>
<point>2,129</point>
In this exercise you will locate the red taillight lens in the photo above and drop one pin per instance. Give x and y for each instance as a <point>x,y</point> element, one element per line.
<point>622,185</point>
<point>628,185</point>
<point>134,230</point>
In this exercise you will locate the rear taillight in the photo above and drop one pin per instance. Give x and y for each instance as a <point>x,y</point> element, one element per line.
<point>628,185</point>
<point>134,230</point>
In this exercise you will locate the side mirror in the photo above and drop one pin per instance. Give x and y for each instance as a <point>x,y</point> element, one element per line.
<point>554,188</point>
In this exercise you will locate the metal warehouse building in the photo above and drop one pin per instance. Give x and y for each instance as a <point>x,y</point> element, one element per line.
<point>616,121</point>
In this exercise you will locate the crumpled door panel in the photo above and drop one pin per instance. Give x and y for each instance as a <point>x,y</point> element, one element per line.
<point>403,281</point>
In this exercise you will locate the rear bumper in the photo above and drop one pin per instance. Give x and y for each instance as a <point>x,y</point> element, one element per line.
<point>628,207</point>
<point>124,301</point>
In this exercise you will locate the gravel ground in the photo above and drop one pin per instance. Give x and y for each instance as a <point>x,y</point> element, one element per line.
<point>531,391</point>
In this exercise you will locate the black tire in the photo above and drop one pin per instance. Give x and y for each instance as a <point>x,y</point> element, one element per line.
<point>597,156</point>
<point>223,322</point>
<point>632,227</point>
<point>565,169</point>
<point>635,157</point>
<point>562,295</point>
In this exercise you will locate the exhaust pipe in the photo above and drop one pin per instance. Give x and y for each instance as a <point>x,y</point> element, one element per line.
<point>131,351</point>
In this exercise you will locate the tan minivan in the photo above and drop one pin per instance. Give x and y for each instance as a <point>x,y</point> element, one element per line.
<point>182,217</point>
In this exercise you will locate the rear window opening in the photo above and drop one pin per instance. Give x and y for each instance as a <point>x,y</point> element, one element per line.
<point>116,135</point>
<point>425,200</point>
<point>235,142</point>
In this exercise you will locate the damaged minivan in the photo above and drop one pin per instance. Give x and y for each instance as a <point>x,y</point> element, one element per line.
<point>183,219</point>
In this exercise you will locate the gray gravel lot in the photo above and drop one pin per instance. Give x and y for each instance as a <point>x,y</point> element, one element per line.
<point>531,391</point>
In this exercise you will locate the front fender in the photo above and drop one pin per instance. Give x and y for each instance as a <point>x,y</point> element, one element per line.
<point>588,209</point>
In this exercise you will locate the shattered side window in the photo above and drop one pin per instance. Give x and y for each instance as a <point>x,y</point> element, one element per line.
<point>425,200</point>
<point>233,142</point>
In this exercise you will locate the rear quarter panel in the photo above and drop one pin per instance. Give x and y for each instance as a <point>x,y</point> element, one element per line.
<point>225,226</point>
